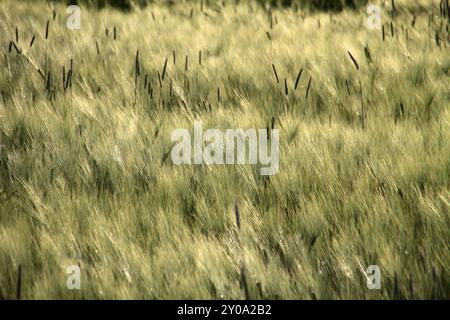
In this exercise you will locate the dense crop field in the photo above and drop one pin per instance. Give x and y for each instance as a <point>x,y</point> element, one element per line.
<point>86,176</point>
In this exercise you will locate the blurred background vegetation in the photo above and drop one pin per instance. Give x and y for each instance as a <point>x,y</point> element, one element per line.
<point>334,5</point>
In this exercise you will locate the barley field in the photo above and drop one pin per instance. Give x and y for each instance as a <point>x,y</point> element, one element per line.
<point>87,180</point>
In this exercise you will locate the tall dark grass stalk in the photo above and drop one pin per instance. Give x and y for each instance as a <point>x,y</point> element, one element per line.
<point>97,47</point>
<point>63,76</point>
<point>243,284</point>
<point>396,291</point>
<point>49,81</point>
<point>150,91</point>
<point>238,216</point>
<point>47,26</point>
<point>32,40</point>
<point>447,5</point>
<point>308,88</point>
<point>163,74</point>
<point>444,8</point>
<point>159,79</point>
<point>137,73</point>
<point>411,288</point>
<point>19,283</point>
<point>275,73</point>
<point>297,81</point>
<point>355,63</point>
<point>69,76</point>
<point>270,18</point>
